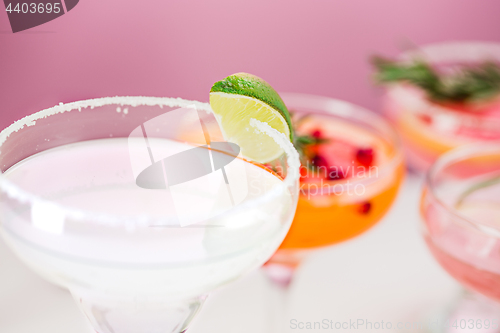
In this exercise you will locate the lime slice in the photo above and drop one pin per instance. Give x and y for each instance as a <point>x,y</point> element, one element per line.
<point>485,212</point>
<point>241,97</point>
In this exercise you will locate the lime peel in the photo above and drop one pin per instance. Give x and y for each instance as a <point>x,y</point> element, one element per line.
<point>254,87</point>
<point>293,160</point>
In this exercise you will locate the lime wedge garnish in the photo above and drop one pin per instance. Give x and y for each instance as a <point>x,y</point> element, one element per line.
<point>241,97</point>
<point>473,189</point>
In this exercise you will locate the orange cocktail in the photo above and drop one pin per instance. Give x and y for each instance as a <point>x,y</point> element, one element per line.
<point>352,168</point>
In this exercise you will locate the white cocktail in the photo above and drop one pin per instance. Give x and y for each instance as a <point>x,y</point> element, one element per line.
<point>139,256</point>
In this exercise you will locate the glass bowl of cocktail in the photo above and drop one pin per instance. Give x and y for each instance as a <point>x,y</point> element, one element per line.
<point>460,207</point>
<point>351,171</point>
<point>139,207</point>
<point>442,96</point>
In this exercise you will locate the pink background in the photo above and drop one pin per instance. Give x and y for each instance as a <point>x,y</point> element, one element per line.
<point>179,48</point>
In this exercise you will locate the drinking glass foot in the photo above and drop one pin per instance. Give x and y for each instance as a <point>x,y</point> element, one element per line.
<point>471,313</point>
<point>110,315</point>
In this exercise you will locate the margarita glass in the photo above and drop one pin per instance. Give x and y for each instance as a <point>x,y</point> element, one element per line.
<point>429,129</point>
<point>346,187</point>
<point>363,165</point>
<point>460,207</point>
<point>78,207</point>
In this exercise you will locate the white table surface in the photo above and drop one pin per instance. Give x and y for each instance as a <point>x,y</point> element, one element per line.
<point>387,275</point>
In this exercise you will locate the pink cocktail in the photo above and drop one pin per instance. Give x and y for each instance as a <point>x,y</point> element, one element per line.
<point>461,213</point>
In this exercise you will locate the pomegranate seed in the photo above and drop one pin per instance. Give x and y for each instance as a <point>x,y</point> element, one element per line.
<point>321,164</point>
<point>319,161</point>
<point>365,156</point>
<point>425,118</point>
<point>303,172</point>
<point>365,208</point>
<point>316,134</point>
<point>335,173</point>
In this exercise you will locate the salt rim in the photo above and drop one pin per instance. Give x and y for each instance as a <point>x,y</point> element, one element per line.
<point>96,102</point>
<point>284,142</point>
<point>15,192</point>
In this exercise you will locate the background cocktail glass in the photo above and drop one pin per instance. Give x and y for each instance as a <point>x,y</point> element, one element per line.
<point>337,210</point>
<point>460,207</point>
<point>71,210</point>
<point>429,129</point>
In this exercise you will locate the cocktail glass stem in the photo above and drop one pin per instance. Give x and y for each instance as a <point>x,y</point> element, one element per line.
<point>112,314</point>
<point>280,279</point>
<point>279,306</point>
<point>280,271</point>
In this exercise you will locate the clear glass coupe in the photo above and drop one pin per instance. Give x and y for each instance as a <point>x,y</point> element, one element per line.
<point>139,207</point>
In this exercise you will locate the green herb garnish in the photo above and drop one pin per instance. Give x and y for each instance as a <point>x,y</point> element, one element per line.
<point>304,143</point>
<point>468,84</point>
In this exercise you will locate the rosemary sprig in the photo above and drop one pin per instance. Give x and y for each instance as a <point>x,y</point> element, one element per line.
<point>303,143</point>
<point>466,85</point>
